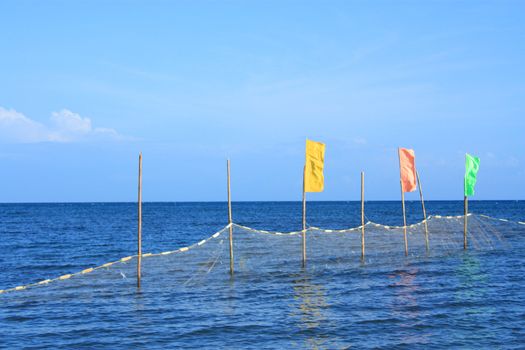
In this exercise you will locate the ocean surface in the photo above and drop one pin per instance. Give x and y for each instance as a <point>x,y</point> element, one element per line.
<point>448,298</point>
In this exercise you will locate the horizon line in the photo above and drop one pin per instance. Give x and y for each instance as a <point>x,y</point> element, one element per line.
<point>268,201</point>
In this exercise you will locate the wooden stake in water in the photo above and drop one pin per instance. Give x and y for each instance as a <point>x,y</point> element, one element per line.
<point>424,211</point>
<point>465,223</point>
<point>403,204</point>
<point>404,219</point>
<point>139,233</point>
<point>362,216</point>
<point>304,218</point>
<point>230,221</point>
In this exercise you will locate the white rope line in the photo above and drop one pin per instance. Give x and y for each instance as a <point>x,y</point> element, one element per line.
<point>269,232</point>
<point>125,259</point>
<point>449,216</point>
<point>358,228</point>
<point>502,220</point>
<point>389,227</point>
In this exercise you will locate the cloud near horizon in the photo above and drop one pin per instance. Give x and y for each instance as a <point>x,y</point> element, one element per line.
<point>65,126</point>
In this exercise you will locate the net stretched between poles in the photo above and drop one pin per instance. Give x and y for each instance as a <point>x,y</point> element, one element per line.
<point>264,254</point>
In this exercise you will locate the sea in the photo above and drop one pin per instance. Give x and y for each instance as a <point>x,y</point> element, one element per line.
<point>453,299</point>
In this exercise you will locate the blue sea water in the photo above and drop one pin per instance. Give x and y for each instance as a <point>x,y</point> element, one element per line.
<point>459,299</point>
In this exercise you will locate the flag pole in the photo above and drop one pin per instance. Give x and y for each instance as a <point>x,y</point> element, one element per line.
<point>403,205</point>
<point>465,222</point>
<point>139,229</point>
<point>424,211</point>
<point>404,219</point>
<point>362,216</point>
<point>304,218</point>
<point>230,222</point>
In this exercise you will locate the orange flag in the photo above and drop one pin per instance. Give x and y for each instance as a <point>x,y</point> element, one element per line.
<point>407,167</point>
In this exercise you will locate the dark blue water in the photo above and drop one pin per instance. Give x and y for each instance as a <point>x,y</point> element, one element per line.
<point>462,299</point>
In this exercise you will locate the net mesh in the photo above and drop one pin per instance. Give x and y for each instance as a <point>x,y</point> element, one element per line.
<point>261,254</point>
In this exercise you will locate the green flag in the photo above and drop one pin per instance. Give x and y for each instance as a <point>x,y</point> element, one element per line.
<point>471,171</point>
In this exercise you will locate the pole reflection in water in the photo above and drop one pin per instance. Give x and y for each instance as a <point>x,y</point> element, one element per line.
<point>311,308</point>
<point>406,306</point>
<point>472,289</point>
<point>472,284</point>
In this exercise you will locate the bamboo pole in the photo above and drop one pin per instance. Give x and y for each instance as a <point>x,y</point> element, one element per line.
<point>403,204</point>
<point>230,222</point>
<point>465,223</point>
<point>362,216</point>
<point>304,218</point>
<point>139,230</point>
<point>404,219</point>
<point>424,211</point>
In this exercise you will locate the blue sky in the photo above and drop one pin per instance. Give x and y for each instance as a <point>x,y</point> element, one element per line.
<point>86,85</point>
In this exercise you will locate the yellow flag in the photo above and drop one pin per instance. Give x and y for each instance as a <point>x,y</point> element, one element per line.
<point>313,169</point>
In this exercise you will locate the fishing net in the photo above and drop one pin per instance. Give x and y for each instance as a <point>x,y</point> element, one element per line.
<point>262,254</point>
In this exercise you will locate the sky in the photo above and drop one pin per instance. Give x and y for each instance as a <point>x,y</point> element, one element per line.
<point>87,85</point>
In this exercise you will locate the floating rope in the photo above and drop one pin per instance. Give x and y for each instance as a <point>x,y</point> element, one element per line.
<point>502,220</point>
<point>125,259</point>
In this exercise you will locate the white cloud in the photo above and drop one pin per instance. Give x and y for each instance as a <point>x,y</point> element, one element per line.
<point>67,120</point>
<point>16,127</point>
<point>65,126</point>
